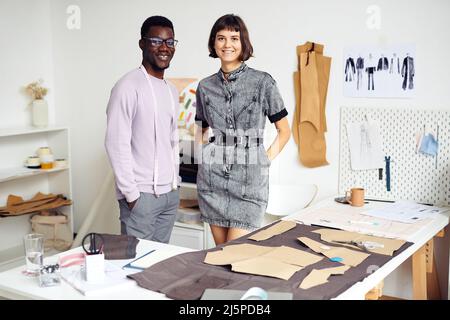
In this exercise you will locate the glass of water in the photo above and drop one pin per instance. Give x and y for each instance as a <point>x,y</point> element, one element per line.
<point>34,253</point>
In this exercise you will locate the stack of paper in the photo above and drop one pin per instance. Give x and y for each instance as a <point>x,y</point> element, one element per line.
<point>115,279</point>
<point>405,212</point>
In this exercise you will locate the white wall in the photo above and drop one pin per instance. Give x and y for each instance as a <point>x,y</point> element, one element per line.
<point>87,62</point>
<point>25,56</point>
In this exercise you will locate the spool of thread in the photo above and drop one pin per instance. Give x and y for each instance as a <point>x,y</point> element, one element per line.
<point>46,161</point>
<point>60,163</point>
<point>33,162</point>
<point>43,151</point>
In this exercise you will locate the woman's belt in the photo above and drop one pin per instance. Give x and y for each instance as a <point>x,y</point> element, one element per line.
<point>244,141</point>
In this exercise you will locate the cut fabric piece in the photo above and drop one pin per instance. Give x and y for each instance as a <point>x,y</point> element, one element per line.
<point>429,145</point>
<point>311,86</point>
<point>118,247</point>
<point>318,277</point>
<point>349,257</point>
<point>274,230</point>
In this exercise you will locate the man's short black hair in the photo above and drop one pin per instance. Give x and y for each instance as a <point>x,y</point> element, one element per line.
<point>153,21</point>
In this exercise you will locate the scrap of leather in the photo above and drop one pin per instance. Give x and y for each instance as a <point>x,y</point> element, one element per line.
<point>311,87</point>
<point>16,206</point>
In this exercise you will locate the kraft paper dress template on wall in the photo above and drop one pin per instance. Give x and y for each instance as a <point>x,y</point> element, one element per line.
<point>311,86</point>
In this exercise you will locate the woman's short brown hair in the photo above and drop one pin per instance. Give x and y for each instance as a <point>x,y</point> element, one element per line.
<point>233,23</point>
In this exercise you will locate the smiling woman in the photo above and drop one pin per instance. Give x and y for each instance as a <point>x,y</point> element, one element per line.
<point>233,174</point>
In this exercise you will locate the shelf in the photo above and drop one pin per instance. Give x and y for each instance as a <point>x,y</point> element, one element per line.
<point>16,144</point>
<point>22,172</point>
<point>196,226</point>
<point>7,132</point>
<point>188,185</point>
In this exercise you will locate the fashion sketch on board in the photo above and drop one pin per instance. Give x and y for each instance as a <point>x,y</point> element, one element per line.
<point>350,69</point>
<point>408,72</point>
<point>370,69</point>
<point>376,72</point>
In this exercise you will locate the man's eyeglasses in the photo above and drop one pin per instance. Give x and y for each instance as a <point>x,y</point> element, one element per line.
<point>157,42</point>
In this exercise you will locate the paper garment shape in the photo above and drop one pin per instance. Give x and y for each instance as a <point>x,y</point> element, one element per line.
<point>311,86</point>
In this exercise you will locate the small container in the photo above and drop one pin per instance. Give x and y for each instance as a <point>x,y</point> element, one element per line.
<point>46,161</point>
<point>60,163</point>
<point>47,165</point>
<point>49,276</point>
<point>43,151</point>
<point>33,162</point>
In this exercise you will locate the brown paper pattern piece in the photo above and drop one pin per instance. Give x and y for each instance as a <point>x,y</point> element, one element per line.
<point>349,257</point>
<point>317,277</point>
<point>389,245</point>
<point>292,256</point>
<point>274,230</point>
<point>234,253</point>
<point>266,267</point>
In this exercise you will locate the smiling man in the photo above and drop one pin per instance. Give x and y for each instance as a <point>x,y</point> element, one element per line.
<point>142,138</point>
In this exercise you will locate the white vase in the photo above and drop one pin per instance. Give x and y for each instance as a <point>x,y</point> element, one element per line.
<point>40,113</point>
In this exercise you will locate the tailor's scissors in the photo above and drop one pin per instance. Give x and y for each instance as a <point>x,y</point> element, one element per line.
<point>364,245</point>
<point>94,243</point>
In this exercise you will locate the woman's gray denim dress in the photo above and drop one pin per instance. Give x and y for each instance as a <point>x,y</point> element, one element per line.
<point>233,174</point>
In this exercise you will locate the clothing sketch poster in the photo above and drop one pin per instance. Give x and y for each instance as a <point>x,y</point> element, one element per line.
<point>374,72</point>
<point>187,88</point>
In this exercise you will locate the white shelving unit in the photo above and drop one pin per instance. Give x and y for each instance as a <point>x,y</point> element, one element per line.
<point>16,144</point>
<point>191,235</point>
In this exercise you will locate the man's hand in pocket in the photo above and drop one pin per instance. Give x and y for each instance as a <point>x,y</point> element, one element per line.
<point>131,204</point>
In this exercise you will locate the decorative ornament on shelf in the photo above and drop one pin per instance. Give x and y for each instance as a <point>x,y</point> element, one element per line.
<point>39,106</point>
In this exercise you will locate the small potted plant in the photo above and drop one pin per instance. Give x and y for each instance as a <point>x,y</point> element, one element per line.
<point>38,104</point>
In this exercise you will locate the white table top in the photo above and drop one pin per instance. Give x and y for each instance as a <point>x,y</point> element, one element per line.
<point>359,289</point>
<point>14,285</point>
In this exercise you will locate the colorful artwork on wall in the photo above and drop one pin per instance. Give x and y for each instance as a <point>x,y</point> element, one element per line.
<point>186,88</point>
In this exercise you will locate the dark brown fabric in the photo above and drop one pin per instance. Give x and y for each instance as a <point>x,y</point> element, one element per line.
<point>119,246</point>
<point>187,268</point>
<point>193,290</point>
